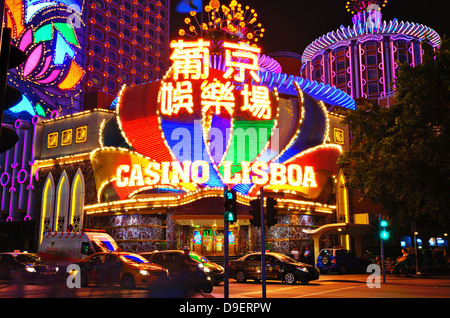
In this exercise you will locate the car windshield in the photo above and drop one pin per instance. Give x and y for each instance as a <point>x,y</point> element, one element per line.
<point>198,257</point>
<point>28,259</point>
<point>285,258</point>
<point>133,258</point>
<point>326,253</point>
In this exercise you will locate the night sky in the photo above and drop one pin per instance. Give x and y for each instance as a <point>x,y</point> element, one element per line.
<point>291,25</point>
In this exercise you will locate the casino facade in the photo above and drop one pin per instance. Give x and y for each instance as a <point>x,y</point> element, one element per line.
<point>152,169</point>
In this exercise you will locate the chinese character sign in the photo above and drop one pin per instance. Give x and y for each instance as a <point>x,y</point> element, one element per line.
<point>191,84</point>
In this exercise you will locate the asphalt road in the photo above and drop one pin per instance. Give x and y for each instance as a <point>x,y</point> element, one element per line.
<point>328,286</point>
<point>344,286</point>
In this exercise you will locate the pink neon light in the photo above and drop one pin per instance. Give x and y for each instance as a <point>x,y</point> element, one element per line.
<point>33,60</point>
<point>48,60</point>
<point>51,77</point>
<point>382,68</point>
<point>26,40</point>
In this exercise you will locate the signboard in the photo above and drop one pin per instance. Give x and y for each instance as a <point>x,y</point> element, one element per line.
<point>202,127</point>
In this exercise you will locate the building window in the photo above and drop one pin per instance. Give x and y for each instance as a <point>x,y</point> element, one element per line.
<point>97,64</point>
<point>126,47</point>
<point>371,60</point>
<point>99,34</point>
<point>113,25</point>
<point>372,74</point>
<point>127,19</point>
<point>111,85</point>
<point>98,49</point>
<point>373,89</point>
<point>113,41</point>
<point>111,70</point>
<point>127,32</point>
<point>112,56</point>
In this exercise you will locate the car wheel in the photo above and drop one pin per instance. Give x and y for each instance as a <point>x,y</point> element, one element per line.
<point>342,269</point>
<point>289,278</point>
<point>84,280</point>
<point>241,277</point>
<point>326,260</point>
<point>127,282</point>
<point>208,287</point>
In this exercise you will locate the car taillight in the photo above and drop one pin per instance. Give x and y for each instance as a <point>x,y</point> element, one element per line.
<point>333,261</point>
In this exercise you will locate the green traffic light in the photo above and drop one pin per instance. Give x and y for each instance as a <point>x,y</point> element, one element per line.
<point>383,223</point>
<point>384,235</point>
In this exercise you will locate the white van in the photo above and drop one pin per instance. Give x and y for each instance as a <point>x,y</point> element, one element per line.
<point>67,247</point>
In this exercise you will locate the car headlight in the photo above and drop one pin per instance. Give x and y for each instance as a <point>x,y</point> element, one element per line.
<point>144,272</point>
<point>303,269</point>
<point>206,269</point>
<point>30,269</point>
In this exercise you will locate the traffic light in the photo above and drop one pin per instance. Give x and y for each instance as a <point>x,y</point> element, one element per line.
<point>255,211</point>
<point>271,211</point>
<point>10,57</point>
<point>230,206</point>
<point>384,231</point>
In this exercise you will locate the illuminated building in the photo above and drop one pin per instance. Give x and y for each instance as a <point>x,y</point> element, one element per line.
<point>63,64</point>
<point>152,171</point>
<point>51,33</point>
<point>127,42</point>
<point>363,59</point>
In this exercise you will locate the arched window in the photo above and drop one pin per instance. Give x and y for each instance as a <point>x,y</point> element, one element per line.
<point>62,203</point>
<point>77,201</point>
<point>47,208</point>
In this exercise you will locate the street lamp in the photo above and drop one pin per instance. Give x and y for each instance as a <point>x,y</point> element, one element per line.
<point>417,257</point>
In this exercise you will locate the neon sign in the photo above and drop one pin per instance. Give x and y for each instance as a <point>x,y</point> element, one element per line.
<point>204,126</point>
<point>260,173</point>
<point>191,64</point>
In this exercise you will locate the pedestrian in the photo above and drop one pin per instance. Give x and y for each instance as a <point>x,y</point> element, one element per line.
<point>295,254</point>
<point>307,255</point>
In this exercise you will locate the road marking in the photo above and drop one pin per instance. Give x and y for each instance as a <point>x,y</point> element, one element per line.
<point>329,291</point>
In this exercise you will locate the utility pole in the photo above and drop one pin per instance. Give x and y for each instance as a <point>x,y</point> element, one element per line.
<point>226,277</point>
<point>263,245</point>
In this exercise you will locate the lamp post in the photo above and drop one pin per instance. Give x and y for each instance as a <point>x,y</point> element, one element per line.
<point>417,257</point>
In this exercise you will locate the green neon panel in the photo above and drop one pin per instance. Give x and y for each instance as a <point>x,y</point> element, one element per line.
<point>68,32</point>
<point>44,33</point>
<point>40,111</point>
<point>249,139</point>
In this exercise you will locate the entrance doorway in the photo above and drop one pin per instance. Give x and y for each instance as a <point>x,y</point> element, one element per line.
<point>210,241</point>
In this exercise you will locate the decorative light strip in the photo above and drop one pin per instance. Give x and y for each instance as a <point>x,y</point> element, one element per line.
<point>393,27</point>
<point>187,198</point>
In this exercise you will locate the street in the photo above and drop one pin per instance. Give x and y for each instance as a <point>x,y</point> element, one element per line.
<point>328,286</point>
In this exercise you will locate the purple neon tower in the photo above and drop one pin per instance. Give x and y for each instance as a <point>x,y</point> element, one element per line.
<point>363,59</point>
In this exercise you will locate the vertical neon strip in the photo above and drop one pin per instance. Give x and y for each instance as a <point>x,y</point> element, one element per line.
<point>351,71</point>
<point>331,69</point>
<point>393,77</point>
<point>361,70</point>
<point>46,195</point>
<point>383,67</point>
<point>413,55</point>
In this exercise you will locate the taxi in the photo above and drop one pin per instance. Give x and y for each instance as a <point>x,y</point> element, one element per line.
<point>129,270</point>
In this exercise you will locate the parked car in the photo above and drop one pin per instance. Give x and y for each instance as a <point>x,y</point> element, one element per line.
<point>340,260</point>
<point>278,267</point>
<point>184,271</point>
<point>127,269</point>
<point>214,271</point>
<point>27,266</point>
